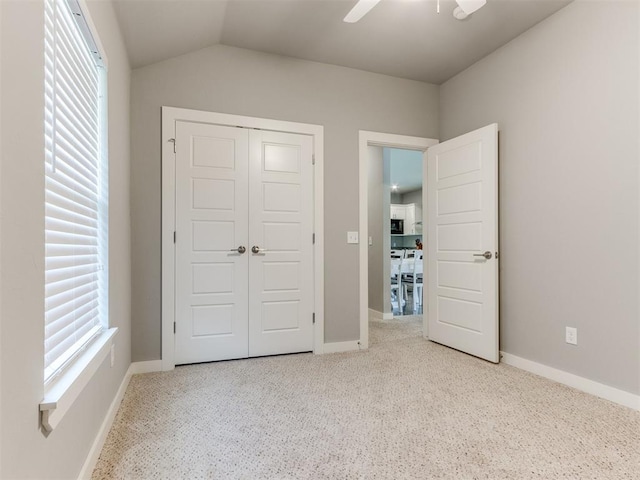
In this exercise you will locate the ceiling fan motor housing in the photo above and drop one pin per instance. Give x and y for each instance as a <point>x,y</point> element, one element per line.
<point>470,6</point>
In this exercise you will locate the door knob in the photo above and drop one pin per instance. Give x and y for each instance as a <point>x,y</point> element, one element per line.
<point>256,249</point>
<point>486,255</point>
<point>241,249</point>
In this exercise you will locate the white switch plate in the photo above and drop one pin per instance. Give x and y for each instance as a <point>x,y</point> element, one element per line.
<point>370,241</point>
<point>352,237</point>
<point>571,335</point>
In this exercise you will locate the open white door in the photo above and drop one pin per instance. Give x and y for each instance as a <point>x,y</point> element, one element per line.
<point>462,242</point>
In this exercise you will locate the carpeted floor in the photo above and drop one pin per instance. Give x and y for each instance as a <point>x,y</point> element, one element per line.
<point>406,408</point>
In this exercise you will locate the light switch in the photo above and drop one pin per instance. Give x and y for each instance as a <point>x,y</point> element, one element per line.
<point>352,237</point>
<point>370,241</point>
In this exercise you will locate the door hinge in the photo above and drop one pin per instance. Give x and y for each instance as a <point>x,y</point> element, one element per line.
<point>313,317</point>
<point>313,238</point>
<point>174,236</point>
<point>313,159</point>
<point>173,140</point>
<point>174,327</point>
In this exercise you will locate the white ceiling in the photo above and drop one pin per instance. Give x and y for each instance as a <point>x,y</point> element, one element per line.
<point>405,170</point>
<point>402,38</point>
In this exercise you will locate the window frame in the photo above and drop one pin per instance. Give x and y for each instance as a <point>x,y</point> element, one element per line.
<point>64,385</point>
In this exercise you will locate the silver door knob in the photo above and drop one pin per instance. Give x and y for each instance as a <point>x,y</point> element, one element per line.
<point>241,249</point>
<point>256,249</point>
<point>486,255</point>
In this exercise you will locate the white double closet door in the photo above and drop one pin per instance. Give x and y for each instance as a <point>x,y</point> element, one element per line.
<point>244,248</point>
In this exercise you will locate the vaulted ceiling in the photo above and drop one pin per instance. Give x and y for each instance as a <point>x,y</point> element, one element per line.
<point>402,38</point>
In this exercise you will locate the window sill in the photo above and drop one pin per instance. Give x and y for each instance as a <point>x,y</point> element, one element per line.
<point>64,390</point>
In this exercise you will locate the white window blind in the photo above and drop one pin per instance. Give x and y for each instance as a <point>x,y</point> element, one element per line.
<point>75,184</point>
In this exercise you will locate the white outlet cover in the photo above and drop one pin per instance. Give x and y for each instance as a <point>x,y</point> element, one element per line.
<point>352,237</point>
<point>571,335</point>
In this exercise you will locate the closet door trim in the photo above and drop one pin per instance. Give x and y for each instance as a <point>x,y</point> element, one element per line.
<point>170,117</point>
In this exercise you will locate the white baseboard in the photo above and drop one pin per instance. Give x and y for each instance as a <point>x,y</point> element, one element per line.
<point>146,367</point>
<point>612,394</point>
<point>98,443</point>
<point>101,437</point>
<point>376,314</point>
<point>339,347</point>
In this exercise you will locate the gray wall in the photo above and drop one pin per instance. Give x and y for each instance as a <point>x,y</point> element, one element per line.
<point>376,208</point>
<point>386,231</point>
<point>414,196</point>
<point>379,228</point>
<point>26,452</point>
<point>237,81</point>
<point>1,157</point>
<point>565,95</point>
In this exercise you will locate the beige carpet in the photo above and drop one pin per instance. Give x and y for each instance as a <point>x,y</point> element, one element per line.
<point>407,408</point>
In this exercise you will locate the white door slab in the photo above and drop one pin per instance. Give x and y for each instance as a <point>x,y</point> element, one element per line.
<point>462,229</point>
<point>211,223</point>
<point>281,229</point>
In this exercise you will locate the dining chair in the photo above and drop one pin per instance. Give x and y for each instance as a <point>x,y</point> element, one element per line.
<point>418,274</point>
<point>398,299</point>
<point>411,278</point>
<point>406,271</point>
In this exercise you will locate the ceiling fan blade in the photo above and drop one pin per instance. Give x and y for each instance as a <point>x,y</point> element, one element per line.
<point>470,6</point>
<point>360,10</point>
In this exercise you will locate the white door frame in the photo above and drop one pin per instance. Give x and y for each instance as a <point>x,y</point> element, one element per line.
<point>170,115</point>
<point>376,139</point>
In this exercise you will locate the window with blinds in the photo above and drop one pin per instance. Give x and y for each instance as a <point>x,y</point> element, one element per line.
<point>76,200</point>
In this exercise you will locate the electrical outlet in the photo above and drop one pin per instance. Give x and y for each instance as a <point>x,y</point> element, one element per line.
<point>352,237</point>
<point>571,335</point>
<point>113,355</point>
